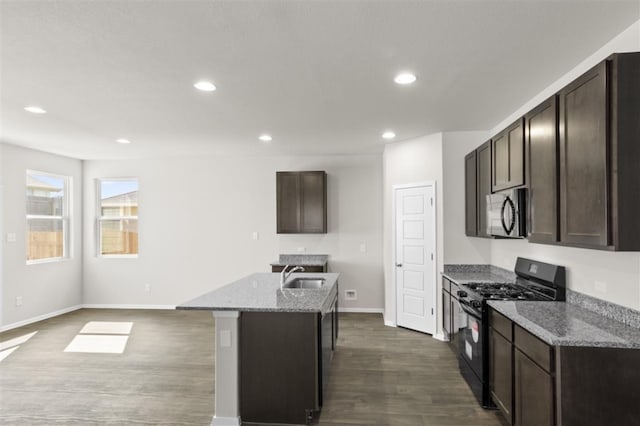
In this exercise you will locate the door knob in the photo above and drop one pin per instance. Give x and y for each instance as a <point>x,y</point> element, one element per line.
<point>399,265</point>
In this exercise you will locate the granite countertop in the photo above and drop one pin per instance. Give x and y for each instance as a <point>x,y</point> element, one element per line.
<point>565,324</point>
<point>301,259</point>
<point>261,292</point>
<point>465,274</point>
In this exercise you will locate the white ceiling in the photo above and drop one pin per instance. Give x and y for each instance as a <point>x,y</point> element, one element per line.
<point>317,75</point>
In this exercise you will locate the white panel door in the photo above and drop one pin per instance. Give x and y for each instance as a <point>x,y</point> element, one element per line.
<point>415,258</point>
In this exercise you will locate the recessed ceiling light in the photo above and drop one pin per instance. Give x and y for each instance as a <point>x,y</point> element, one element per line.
<point>205,86</point>
<point>405,78</point>
<point>265,138</point>
<point>123,141</point>
<point>388,135</point>
<point>35,109</point>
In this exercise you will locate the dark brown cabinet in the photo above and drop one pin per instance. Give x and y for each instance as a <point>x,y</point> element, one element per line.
<point>470,194</point>
<point>547,385</point>
<point>501,365</point>
<point>521,376</point>
<point>599,153</point>
<point>452,313</point>
<point>297,348</point>
<point>307,268</point>
<point>508,157</point>
<point>484,187</point>
<point>533,390</point>
<point>541,134</point>
<point>301,202</point>
<point>583,160</point>
<point>477,187</point>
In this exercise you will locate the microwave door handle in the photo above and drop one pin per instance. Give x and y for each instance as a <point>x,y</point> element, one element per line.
<point>504,225</point>
<point>508,204</point>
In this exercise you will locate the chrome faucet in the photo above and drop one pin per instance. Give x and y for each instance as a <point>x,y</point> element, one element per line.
<point>284,274</point>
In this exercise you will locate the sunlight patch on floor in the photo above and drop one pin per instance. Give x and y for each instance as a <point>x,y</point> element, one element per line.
<point>16,341</point>
<point>92,343</point>
<point>8,346</point>
<point>106,327</point>
<point>5,353</point>
<point>101,337</point>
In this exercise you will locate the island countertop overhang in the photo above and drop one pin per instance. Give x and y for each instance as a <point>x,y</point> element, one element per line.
<point>261,292</point>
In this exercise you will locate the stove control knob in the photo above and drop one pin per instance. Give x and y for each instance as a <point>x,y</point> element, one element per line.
<point>462,293</point>
<point>475,304</point>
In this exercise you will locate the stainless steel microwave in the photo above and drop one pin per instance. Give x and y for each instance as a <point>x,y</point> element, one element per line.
<point>507,213</point>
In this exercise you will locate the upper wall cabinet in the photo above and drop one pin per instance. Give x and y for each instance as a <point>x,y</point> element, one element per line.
<point>477,170</point>
<point>599,129</point>
<point>508,157</point>
<point>541,135</point>
<point>484,187</point>
<point>470,195</point>
<point>301,202</point>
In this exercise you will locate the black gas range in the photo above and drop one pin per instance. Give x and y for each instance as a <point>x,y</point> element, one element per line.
<point>536,281</point>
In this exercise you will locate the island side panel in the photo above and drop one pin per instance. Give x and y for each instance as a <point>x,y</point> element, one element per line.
<point>278,366</point>
<point>227,406</point>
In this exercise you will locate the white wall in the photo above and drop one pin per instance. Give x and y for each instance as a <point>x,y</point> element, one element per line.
<point>458,248</point>
<point>197,216</point>
<point>46,287</point>
<point>413,161</point>
<point>614,277</point>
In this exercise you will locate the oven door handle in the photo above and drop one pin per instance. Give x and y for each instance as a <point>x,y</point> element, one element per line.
<point>470,310</point>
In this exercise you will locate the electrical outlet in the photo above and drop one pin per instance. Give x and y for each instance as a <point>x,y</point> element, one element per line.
<point>147,287</point>
<point>18,300</point>
<point>301,249</point>
<point>350,295</point>
<point>363,248</point>
<point>11,237</point>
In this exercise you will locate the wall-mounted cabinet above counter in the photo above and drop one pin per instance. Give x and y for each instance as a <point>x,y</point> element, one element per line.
<point>301,202</point>
<point>580,151</point>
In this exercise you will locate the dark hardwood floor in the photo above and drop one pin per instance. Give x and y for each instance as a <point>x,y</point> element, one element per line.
<point>380,375</point>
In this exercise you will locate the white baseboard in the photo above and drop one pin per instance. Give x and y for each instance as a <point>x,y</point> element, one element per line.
<point>390,323</point>
<point>117,306</point>
<point>440,337</point>
<point>225,421</point>
<point>39,318</point>
<point>361,310</point>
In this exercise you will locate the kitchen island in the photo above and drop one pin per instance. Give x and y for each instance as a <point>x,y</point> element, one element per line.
<point>273,347</point>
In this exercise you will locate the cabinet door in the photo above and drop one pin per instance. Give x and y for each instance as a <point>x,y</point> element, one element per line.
<point>446,314</point>
<point>583,160</point>
<point>484,186</point>
<point>313,196</point>
<point>533,393</point>
<point>508,158</point>
<point>541,134</point>
<point>500,372</point>
<point>470,191</point>
<point>288,202</point>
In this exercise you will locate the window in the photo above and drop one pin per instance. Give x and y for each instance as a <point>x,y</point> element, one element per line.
<point>118,217</point>
<point>48,207</point>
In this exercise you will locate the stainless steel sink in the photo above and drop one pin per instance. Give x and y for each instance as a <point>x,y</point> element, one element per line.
<point>305,283</point>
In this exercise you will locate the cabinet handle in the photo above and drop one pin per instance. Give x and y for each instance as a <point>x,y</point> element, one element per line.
<point>399,265</point>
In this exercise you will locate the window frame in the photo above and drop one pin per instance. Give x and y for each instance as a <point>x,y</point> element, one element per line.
<point>101,218</point>
<point>65,218</point>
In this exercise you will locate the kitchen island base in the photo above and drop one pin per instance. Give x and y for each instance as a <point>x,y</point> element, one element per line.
<point>227,407</point>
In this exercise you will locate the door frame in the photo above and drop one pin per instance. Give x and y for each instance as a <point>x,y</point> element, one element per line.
<point>434,228</point>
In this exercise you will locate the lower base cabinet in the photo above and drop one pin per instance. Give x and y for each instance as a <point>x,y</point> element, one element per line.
<point>533,391</point>
<point>285,359</point>
<point>560,385</point>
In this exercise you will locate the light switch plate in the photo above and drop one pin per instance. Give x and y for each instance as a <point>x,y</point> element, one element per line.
<point>363,248</point>
<point>11,237</point>
<point>255,235</point>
